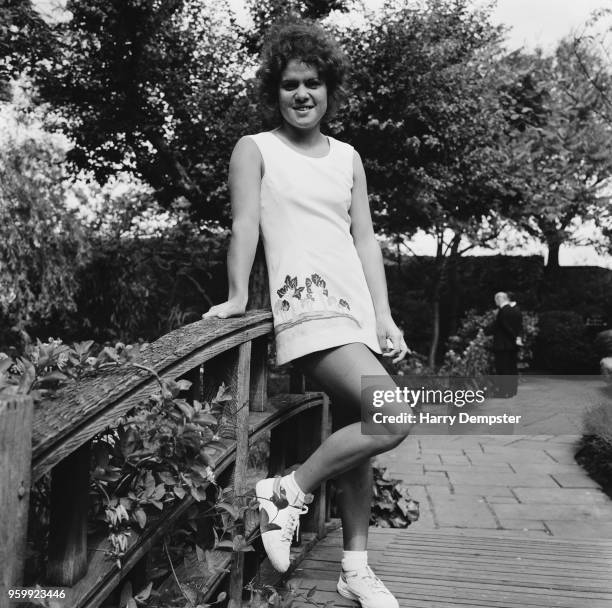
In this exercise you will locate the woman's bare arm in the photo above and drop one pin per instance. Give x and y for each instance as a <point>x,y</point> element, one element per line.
<point>371,258</point>
<point>245,171</point>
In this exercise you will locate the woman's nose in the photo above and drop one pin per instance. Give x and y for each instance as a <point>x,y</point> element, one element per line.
<point>301,92</point>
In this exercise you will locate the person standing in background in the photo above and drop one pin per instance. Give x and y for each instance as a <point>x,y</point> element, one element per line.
<point>506,330</point>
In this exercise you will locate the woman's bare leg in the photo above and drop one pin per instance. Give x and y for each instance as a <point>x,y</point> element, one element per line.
<point>346,454</point>
<point>354,500</point>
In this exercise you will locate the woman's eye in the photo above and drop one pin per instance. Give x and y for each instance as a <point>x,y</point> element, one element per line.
<point>291,85</point>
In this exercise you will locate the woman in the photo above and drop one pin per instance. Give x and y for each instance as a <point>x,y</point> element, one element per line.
<point>308,193</point>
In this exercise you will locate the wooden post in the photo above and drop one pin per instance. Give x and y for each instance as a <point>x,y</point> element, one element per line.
<point>297,381</point>
<point>259,374</point>
<point>195,391</point>
<point>68,519</point>
<point>15,459</point>
<point>259,292</point>
<point>277,461</point>
<point>240,385</point>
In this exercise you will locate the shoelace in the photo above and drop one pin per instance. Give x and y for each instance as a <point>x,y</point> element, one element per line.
<point>293,523</point>
<point>368,574</point>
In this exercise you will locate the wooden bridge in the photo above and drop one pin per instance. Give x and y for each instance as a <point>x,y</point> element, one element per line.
<point>426,565</point>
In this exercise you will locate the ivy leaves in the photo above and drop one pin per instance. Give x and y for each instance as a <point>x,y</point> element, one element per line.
<point>392,506</point>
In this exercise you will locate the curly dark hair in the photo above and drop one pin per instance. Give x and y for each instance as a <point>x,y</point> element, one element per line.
<point>306,42</point>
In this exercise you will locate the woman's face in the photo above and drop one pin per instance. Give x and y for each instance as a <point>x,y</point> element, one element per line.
<point>302,95</point>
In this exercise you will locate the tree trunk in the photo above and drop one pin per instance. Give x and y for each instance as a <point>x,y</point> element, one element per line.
<point>435,300</point>
<point>453,283</point>
<point>554,244</point>
<point>442,262</point>
<point>435,338</point>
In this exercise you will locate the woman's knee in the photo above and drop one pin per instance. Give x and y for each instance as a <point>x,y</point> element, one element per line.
<point>383,443</point>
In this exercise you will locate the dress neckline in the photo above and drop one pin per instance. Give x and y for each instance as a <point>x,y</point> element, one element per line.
<point>284,143</point>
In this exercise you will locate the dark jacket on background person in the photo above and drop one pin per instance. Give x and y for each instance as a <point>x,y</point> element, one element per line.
<point>506,328</point>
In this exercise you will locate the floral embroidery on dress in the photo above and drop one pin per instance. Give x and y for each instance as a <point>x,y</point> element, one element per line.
<point>291,287</point>
<point>311,301</point>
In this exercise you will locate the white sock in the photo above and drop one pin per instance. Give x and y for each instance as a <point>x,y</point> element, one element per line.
<point>354,560</point>
<point>295,496</point>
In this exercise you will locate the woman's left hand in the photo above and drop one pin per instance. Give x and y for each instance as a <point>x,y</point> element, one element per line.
<point>389,332</point>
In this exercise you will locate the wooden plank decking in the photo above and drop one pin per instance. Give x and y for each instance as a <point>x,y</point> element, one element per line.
<point>469,569</point>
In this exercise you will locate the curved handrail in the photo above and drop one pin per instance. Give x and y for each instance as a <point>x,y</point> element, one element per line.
<point>63,424</point>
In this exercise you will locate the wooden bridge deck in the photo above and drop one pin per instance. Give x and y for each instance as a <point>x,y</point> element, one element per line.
<point>469,569</point>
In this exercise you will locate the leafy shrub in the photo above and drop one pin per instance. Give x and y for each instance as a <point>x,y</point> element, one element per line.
<point>562,346</point>
<point>392,506</point>
<point>595,447</point>
<point>142,287</point>
<point>42,242</point>
<point>603,343</point>
<point>469,352</point>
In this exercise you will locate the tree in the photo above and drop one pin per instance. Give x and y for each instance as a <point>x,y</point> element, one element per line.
<point>25,40</point>
<point>268,12</point>
<point>155,87</point>
<point>423,110</point>
<point>42,242</point>
<point>561,142</point>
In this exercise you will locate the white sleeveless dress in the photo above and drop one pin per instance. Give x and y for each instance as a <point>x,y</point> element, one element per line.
<point>318,291</point>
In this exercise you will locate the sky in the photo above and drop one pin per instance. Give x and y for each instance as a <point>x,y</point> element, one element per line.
<point>544,22</point>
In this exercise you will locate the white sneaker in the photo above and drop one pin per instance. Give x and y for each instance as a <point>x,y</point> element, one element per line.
<point>366,588</point>
<point>279,521</point>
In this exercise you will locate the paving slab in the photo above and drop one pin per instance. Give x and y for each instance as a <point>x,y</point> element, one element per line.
<point>513,480</point>
<point>424,479</point>
<point>551,468</point>
<point>580,529</point>
<point>561,495</point>
<point>545,511</point>
<point>523,524</point>
<point>484,490</point>
<point>464,512</point>
<point>574,480</point>
<point>492,499</point>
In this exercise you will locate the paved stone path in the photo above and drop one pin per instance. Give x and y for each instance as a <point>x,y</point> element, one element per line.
<point>524,484</point>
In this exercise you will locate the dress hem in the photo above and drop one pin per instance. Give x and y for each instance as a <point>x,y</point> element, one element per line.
<point>296,353</point>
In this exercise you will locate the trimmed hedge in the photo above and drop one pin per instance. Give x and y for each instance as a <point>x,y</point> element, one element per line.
<point>563,345</point>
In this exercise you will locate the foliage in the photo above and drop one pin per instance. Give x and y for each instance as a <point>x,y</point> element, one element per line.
<point>595,448</point>
<point>563,345</point>
<point>392,506</point>
<point>45,366</point>
<point>469,352</point>
<point>42,242</point>
<point>603,343</point>
<point>266,596</point>
<point>424,111</point>
<point>561,143</point>
<point>153,87</point>
<point>144,286</point>
<point>25,41</point>
<point>265,13</point>
<point>158,453</point>
<point>421,110</point>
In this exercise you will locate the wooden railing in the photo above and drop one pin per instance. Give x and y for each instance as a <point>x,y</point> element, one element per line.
<point>54,437</point>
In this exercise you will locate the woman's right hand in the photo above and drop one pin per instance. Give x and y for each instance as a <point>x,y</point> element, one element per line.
<point>231,308</point>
